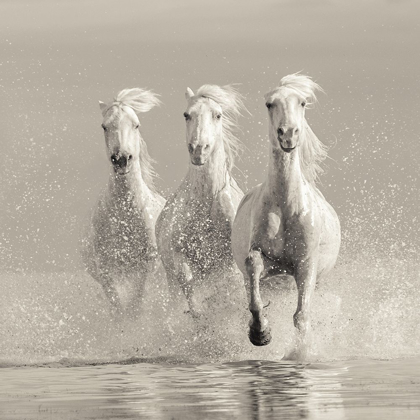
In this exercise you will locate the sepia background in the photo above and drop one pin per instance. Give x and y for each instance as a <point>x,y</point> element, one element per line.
<point>58,58</point>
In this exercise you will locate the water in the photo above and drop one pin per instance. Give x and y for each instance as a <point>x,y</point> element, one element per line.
<point>63,356</point>
<point>244,390</point>
<point>366,308</point>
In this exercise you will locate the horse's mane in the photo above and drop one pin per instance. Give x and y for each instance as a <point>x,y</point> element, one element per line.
<point>140,100</point>
<point>312,151</point>
<point>146,166</point>
<point>231,102</point>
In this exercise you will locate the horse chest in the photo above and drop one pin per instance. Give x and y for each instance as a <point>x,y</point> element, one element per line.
<point>124,242</point>
<point>282,237</point>
<point>203,237</point>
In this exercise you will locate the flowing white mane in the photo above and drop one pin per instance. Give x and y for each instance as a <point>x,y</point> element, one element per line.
<point>312,151</point>
<point>140,100</point>
<point>231,102</point>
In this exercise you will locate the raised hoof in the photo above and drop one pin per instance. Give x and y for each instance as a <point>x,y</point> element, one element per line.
<point>260,338</point>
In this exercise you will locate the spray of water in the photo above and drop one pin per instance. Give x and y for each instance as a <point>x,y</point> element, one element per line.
<point>366,308</point>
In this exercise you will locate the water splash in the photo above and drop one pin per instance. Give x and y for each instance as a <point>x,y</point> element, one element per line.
<point>366,308</point>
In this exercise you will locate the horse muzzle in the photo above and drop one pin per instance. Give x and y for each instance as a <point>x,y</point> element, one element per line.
<point>121,163</point>
<point>288,138</point>
<point>197,160</point>
<point>288,145</point>
<point>198,154</point>
<point>287,149</point>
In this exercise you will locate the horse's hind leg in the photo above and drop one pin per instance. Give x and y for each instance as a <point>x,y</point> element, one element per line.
<point>259,331</point>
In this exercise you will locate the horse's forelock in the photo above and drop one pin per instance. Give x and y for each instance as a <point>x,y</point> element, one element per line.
<point>140,100</point>
<point>312,151</point>
<point>303,85</point>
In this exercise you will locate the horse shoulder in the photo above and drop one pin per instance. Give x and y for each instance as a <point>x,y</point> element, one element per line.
<point>326,211</point>
<point>170,218</point>
<point>245,220</point>
<point>249,198</point>
<point>164,216</point>
<point>319,228</point>
<point>151,208</point>
<point>227,202</point>
<point>160,201</point>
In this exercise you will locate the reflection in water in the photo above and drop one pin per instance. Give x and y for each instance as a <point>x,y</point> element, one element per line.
<point>290,391</point>
<point>246,390</point>
<point>249,390</point>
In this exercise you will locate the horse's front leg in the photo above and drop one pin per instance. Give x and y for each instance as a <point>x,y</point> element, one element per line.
<point>113,297</point>
<point>186,279</point>
<point>305,276</point>
<point>259,331</point>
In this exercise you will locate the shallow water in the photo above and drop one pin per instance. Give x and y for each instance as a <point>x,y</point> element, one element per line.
<point>246,390</point>
<point>63,356</point>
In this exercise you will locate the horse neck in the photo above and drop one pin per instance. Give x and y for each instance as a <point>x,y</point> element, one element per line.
<point>131,187</point>
<point>285,179</point>
<point>206,181</point>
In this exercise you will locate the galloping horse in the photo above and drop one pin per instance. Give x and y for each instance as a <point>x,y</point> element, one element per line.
<point>285,225</point>
<point>194,228</point>
<point>120,247</point>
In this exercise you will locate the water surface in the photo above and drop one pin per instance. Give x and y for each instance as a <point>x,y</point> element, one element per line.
<point>243,390</point>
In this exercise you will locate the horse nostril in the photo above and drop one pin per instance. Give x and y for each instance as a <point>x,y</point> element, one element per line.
<point>296,130</point>
<point>190,148</point>
<point>114,159</point>
<point>280,131</point>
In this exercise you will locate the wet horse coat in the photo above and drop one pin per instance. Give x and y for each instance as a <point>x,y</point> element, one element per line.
<point>119,248</point>
<point>285,225</point>
<point>194,228</point>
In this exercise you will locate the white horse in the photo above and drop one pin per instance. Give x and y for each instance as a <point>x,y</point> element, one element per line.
<point>285,225</point>
<point>120,247</point>
<point>194,228</point>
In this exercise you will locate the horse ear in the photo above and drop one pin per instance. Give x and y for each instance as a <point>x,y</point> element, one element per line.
<point>189,94</point>
<point>102,106</point>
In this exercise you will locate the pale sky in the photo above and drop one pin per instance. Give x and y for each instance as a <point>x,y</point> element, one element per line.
<point>58,58</point>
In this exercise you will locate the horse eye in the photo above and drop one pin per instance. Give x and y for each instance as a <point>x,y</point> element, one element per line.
<point>103,127</point>
<point>218,116</point>
<point>303,104</point>
<point>187,116</point>
<point>137,126</point>
<point>268,105</point>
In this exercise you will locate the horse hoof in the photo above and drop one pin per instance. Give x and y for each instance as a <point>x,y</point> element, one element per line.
<point>260,338</point>
<point>194,315</point>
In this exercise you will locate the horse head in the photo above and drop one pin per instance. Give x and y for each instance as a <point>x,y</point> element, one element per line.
<point>121,127</point>
<point>204,127</point>
<point>211,119</point>
<point>286,108</point>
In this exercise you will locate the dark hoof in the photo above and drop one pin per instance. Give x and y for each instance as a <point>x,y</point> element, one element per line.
<point>194,315</point>
<point>260,338</point>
